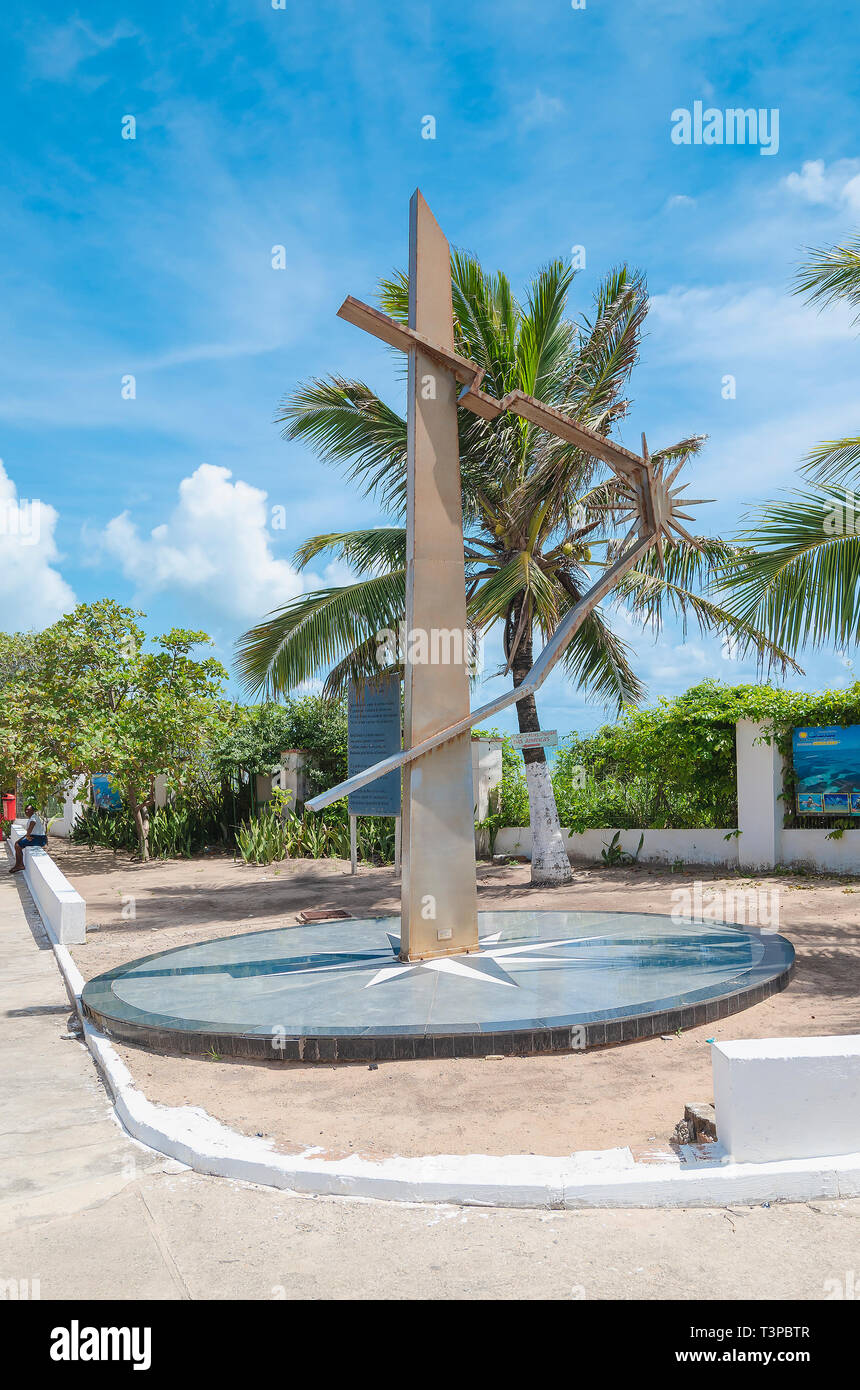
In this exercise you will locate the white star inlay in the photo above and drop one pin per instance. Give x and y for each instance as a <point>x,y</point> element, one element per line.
<point>483,967</point>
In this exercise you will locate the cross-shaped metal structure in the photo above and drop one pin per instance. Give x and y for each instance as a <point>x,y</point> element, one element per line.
<point>439,893</point>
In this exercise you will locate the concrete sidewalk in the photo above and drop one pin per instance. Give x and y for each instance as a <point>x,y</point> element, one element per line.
<point>60,1148</point>
<point>91,1214</point>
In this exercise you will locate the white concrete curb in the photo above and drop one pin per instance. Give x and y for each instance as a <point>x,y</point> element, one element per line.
<point>607,1178</point>
<point>700,1176</point>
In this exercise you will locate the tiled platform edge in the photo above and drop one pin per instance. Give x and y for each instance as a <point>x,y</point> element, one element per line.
<point>695,1176</point>
<point>390,1048</point>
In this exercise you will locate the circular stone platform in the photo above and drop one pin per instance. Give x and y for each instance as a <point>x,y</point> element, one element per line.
<point>336,991</point>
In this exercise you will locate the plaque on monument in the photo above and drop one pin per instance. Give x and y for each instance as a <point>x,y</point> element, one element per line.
<point>373,733</point>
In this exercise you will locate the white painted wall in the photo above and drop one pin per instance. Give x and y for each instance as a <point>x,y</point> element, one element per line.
<point>61,907</point>
<point>486,772</point>
<point>486,776</point>
<point>761,845</point>
<point>812,849</point>
<point>658,847</point>
<point>781,1098</point>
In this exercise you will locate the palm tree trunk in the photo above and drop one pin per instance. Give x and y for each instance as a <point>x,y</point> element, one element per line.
<point>550,864</point>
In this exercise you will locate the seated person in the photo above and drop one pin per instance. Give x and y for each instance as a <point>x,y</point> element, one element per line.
<point>36,835</point>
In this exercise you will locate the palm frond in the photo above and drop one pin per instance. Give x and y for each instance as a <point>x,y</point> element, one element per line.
<point>598,660</point>
<point>831,273</point>
<point>609,348</point>
<point>315,630</point>
<point>680,452</point>
<point>497,594</point>
<point>361,663</point>
<point>368,551</point>
<point>835,461</point>
<point>345,422</point>
<point>546,338</point>
<point>799,578</point>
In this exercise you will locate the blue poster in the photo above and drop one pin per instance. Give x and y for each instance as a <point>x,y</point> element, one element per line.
<point>373,733</point>
<point>104,796</point>
<point>827,768</point>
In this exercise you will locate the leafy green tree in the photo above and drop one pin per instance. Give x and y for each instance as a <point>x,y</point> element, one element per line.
<point>89,699</point>
<point>532,504</point>
<point>257,735</point>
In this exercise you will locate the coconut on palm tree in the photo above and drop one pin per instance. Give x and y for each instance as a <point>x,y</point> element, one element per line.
<point>797,575</point>
<point>539,515</point>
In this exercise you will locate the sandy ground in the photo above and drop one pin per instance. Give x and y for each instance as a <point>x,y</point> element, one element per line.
<point>632,1094</point>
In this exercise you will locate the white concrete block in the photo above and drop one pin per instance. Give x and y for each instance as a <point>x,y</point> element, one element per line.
<point>784,1098</point>
<point>61,906</point>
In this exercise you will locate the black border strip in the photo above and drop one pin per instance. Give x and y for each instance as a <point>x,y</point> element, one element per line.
<point>394,1047</point>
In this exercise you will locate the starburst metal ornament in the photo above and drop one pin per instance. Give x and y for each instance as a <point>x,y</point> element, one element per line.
<point>655,506</point>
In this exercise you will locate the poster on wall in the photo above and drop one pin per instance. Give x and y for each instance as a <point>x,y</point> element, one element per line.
<point>373,725</point>
<point>827,768</point>
<point>106,797</point>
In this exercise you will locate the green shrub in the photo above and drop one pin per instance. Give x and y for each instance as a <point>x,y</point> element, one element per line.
<point>672,766</point>
<point>272,835</point>
<point>175,831</point>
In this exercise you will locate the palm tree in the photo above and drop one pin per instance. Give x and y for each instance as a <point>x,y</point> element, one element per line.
<point>798,574</point>
<point>532,504</point>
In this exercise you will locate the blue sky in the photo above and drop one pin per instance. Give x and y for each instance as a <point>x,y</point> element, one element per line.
<point>302,127</point>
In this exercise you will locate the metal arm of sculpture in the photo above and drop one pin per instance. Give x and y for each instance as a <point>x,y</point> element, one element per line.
<point>647,489</point>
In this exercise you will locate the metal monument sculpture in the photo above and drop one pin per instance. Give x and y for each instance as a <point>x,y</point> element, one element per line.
<point>439,912</point>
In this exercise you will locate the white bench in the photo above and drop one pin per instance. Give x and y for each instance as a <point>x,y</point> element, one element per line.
<point>783,1098</point>
<point>61,907</point>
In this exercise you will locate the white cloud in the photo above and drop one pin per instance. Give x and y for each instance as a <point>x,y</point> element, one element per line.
<point>835,186</point>
<point>680,200</point>
<point>61,49</point>
<point>728,322</point>
<point>216,546</point>
<point>35,593</point>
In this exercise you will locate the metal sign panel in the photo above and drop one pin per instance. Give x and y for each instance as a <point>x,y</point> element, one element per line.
<point>374,733</point>
<point>827,768</point>
<point>544,738</point>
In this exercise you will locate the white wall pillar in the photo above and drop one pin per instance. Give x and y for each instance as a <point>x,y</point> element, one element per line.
<point>62,824</point>
<point>486,776</point>
<point>292,778</point>
<point>263,782</point>
<point>760,809</point>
